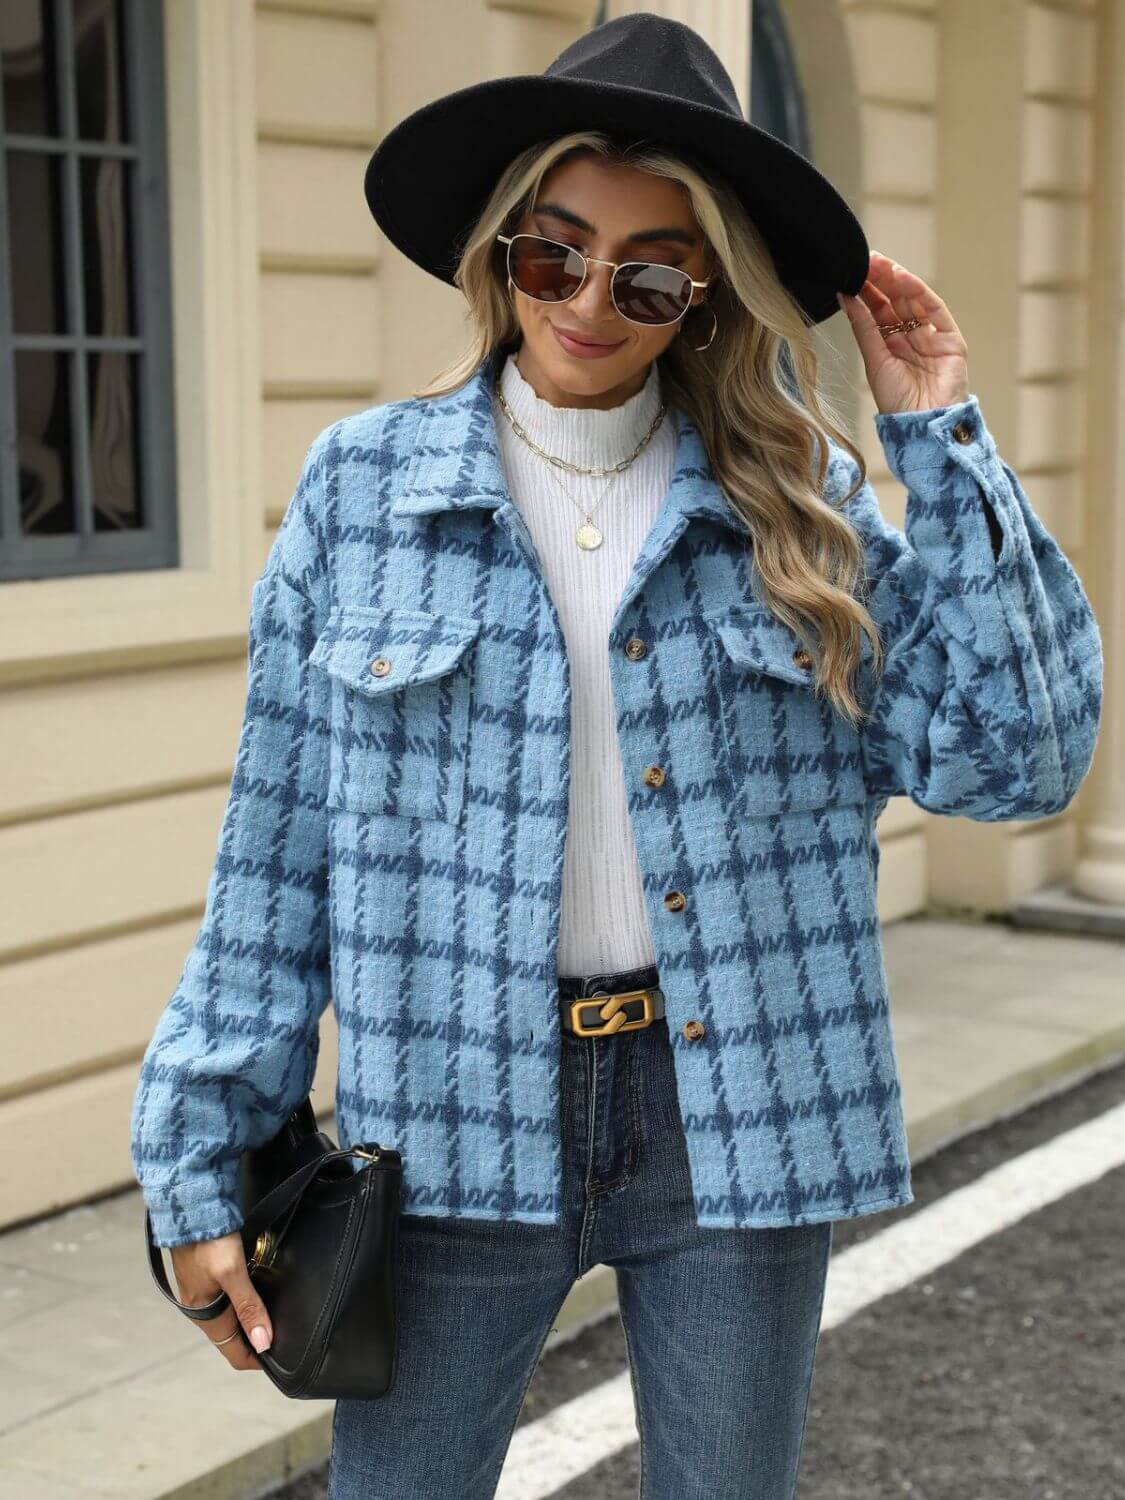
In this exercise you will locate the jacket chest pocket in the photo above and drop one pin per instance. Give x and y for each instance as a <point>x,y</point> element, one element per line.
<point>400,709</point>
<point>787,749</point>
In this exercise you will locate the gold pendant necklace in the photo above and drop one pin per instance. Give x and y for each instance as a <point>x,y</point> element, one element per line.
<point>588,535</point>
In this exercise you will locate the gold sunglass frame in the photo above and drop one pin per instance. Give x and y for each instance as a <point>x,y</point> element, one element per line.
<point>587,261</point>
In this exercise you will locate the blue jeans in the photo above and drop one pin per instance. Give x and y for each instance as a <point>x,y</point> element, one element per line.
<point>721,1325</point>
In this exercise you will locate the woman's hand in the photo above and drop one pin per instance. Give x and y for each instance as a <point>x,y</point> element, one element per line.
<point>907,371</point>
<point>208,1266</point>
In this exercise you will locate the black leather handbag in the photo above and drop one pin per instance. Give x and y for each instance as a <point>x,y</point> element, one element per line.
<point>321,1243</point>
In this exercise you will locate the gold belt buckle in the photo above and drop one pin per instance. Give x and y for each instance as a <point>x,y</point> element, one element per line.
<point>609,1008</point>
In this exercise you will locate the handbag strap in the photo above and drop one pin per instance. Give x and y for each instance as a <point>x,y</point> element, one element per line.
<point>268,1208</point>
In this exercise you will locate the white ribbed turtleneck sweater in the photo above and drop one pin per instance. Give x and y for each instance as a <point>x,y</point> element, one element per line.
<point>603,922</point>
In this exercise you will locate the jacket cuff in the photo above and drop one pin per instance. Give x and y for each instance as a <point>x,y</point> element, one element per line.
<point>948,460</point>
<point>206,1215</point>
<point>917,441</point>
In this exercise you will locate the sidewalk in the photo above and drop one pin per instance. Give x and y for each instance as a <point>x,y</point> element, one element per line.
<point>106,1391</point>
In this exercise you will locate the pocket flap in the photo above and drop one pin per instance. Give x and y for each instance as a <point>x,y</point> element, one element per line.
<point>759,642</point>
<point>415,645</point>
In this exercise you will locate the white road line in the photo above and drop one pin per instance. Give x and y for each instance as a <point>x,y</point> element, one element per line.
<point>574,1437</point>
<point>548,1453</point>
<point>944,1229</point>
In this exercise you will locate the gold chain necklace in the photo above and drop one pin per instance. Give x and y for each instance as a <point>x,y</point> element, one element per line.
<point>588,536</point>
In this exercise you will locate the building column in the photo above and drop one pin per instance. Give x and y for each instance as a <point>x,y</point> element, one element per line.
<point>1099,873</point>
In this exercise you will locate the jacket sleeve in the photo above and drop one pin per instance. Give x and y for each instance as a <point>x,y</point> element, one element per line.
<point>990,700</point>
<point>234,1051</point>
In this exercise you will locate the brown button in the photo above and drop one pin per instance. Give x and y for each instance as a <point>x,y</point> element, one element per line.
<point>963,432</point>
<point>635,648</point>
<point>693,1030</point>
<point>381,666</point>
<point>802,657</point>
<point>674,900</point>
<point>653,775</point>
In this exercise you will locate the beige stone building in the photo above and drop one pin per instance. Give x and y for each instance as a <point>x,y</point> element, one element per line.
<point>166,364</point>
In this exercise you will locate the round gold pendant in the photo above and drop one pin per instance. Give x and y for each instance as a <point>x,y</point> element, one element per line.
<point>588,536</point>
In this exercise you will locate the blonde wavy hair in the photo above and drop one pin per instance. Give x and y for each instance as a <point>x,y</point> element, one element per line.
<point>762,440</point>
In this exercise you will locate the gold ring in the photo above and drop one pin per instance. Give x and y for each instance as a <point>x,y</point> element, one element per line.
<point>234,1335</point>
<point>905,326</point>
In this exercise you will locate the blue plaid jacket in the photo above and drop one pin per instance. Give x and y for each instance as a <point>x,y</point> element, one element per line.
<point>393,840</point>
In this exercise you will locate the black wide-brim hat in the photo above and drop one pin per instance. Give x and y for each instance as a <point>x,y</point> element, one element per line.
<point>640,77</point>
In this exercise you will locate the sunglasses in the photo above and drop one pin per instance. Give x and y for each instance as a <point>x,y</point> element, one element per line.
<point>643,291</point>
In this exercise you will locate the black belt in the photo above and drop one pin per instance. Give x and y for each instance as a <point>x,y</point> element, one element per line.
<point>607,1013</point>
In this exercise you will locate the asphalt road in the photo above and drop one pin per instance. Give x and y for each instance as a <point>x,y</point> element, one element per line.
<point>1001,1376</point>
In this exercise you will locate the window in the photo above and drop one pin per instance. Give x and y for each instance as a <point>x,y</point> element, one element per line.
<point>87,461</point>
<point>776,101</point>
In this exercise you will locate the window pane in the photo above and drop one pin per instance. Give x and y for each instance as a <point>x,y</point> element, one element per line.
<point>106,246</point>
<point>99,70</point>
<point>776,98</point>
<point>27,44</point>
<point>113,440</point>
<point>46,462</point>
<point>36,243</point>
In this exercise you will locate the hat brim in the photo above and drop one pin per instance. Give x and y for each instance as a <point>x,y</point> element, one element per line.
<point>429,177</point>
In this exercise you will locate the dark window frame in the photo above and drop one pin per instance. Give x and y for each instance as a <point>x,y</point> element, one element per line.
<point>155,543</point>
<point>777,104</point>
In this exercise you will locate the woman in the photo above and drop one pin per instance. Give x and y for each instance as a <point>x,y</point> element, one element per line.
<point>525,728</point>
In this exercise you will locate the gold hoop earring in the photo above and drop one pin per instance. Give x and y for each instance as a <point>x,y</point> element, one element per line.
<point>714,331</point>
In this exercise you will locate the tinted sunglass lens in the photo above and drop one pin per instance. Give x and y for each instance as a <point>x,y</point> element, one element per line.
<point>651,293</point>
<point>543,269</point>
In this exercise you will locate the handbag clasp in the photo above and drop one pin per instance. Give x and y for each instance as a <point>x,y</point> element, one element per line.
<point>263,1249</point>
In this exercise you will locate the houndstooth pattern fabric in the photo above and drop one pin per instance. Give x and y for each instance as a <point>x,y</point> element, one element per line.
<point>393,839</point>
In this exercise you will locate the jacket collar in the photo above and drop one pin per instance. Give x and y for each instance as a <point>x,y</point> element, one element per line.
<point>456,462</point>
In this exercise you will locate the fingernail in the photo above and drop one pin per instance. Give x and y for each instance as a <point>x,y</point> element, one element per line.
<point>259,1338</point>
